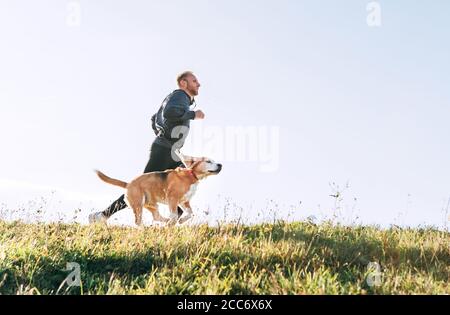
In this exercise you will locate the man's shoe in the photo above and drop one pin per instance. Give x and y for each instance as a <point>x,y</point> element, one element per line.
<point>97,217</point>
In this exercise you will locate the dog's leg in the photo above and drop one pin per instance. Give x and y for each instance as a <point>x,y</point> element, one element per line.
<point>188,214</point>
<point>155,213</point>
<point>135,200</point>
<point>173,205</point>
<point>138,215</point>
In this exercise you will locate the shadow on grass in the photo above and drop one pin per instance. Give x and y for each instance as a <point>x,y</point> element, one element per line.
<point>345,252</point>
<point>96,271</point>
<point>49,274</point>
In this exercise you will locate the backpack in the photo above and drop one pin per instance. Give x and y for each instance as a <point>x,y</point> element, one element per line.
<point>157,124</point>
<point>157,119</point>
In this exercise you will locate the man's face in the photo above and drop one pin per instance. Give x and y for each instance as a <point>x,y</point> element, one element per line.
<point>191,84</point>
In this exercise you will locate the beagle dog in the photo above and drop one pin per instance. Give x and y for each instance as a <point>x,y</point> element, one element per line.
<point>171,187</point>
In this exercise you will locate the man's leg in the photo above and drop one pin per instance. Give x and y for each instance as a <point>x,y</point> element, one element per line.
<point>116,206</point>
<point>103,216</point>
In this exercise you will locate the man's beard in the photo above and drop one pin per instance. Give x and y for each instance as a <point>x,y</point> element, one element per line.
<point>193,92</point>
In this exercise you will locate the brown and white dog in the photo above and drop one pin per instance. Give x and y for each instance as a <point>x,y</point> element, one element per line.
<point>171,187</point>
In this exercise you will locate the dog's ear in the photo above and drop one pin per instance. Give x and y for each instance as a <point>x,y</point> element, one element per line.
<point>194,164</point>
<point>184,158</point>
<point>189,161</point>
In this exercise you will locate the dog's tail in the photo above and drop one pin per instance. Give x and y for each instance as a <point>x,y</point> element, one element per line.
<point>110,180</point>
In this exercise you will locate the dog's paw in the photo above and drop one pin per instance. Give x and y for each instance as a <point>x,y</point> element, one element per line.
<point>172,219</point>
<point>185,218</point>
<point>164,220</point>
<point>161,219</point>
<point>171,222</point>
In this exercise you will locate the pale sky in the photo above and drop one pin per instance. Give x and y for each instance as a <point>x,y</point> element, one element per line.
<point>331,99</point>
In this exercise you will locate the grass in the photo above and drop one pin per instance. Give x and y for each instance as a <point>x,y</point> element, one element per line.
<point>279,258</point>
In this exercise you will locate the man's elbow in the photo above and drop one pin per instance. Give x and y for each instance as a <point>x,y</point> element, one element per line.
<point>172,118</point>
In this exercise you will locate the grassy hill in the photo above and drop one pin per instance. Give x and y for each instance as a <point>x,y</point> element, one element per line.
<point>280,258</point>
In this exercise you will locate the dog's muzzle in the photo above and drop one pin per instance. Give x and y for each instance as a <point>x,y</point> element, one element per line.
<point>219,168</point>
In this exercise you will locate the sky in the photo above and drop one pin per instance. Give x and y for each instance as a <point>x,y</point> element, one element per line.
<point>302,99</point>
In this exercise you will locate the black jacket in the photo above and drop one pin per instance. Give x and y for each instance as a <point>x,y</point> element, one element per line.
<point>171,122</point>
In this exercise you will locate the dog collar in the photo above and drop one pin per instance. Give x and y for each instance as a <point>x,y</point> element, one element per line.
<point>191,172</point>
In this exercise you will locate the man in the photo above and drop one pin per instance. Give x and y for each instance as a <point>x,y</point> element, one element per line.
<point>171,125</point>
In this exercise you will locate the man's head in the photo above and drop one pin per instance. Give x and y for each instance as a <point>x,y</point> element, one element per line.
<point>188,82</point>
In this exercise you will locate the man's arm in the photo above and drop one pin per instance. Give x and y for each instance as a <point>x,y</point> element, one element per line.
<point>177,109</point>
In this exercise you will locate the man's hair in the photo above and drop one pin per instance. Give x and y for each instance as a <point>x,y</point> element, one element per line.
<point>183,76</point>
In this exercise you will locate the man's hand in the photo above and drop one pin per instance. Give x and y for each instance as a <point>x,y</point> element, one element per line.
<point>199,114</point>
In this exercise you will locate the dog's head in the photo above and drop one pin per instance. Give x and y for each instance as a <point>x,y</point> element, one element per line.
<point>203,167</point>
